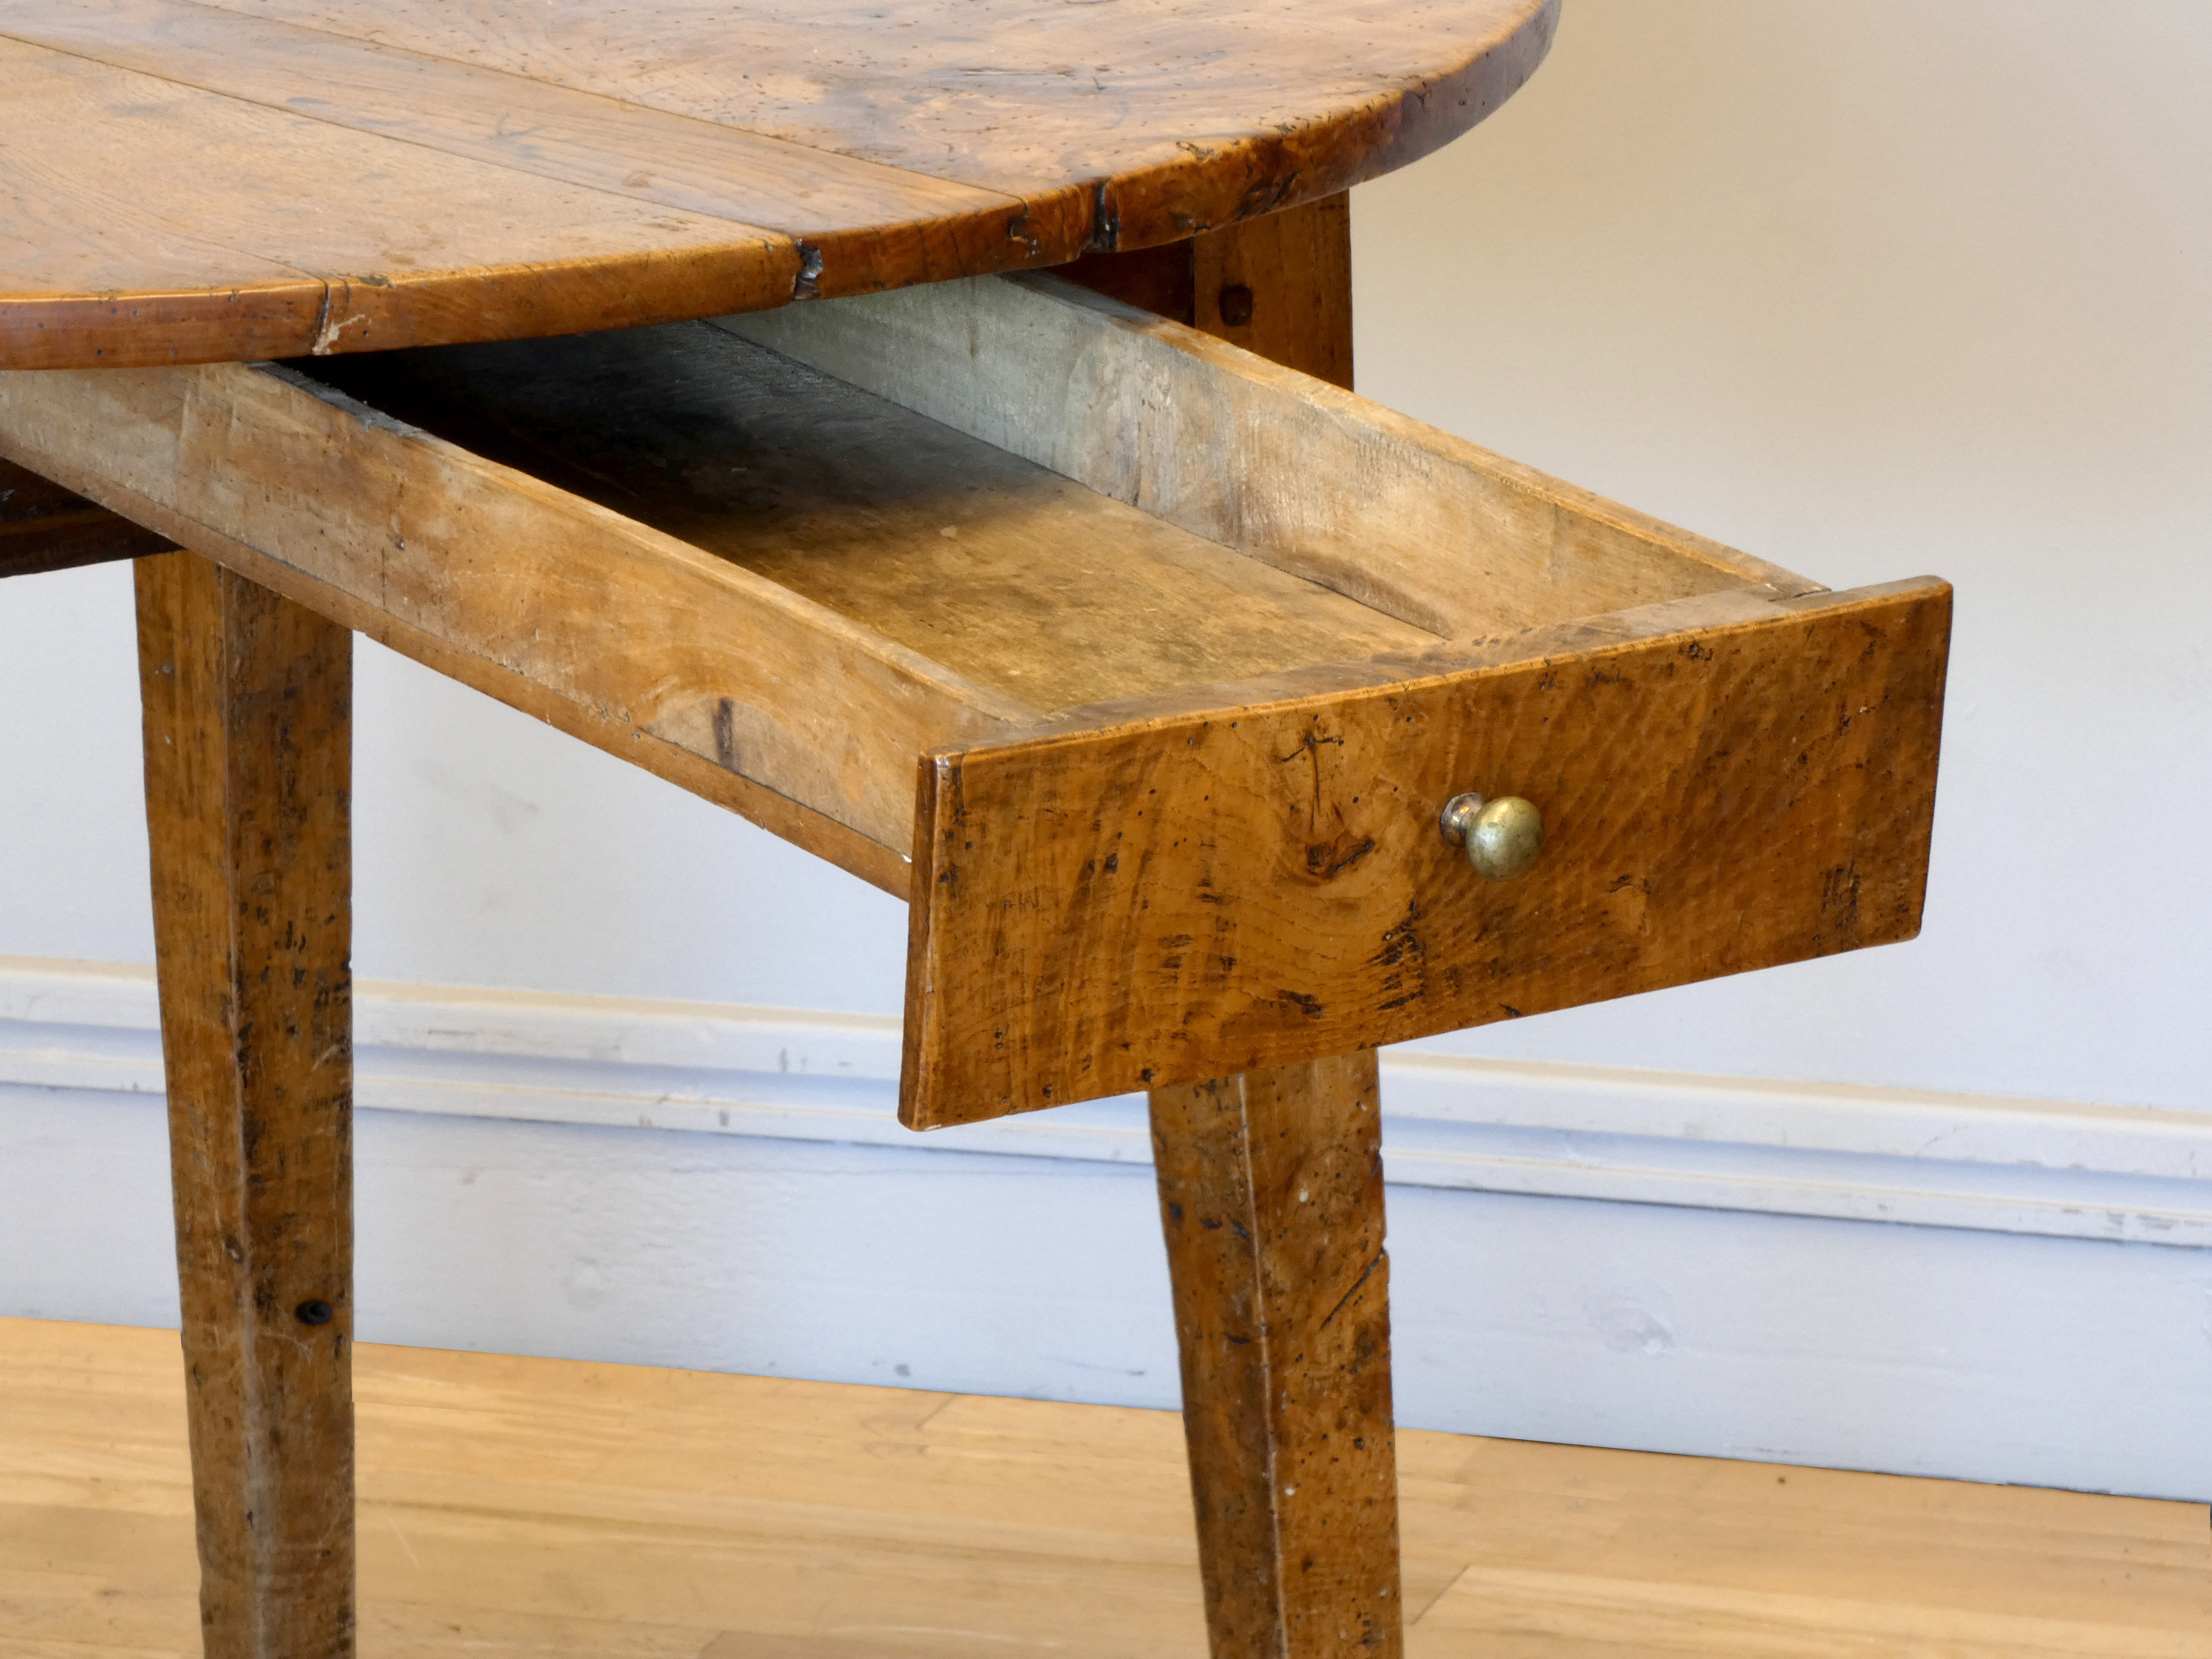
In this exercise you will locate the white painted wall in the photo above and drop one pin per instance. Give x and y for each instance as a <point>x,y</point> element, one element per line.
<point>1870,289</point>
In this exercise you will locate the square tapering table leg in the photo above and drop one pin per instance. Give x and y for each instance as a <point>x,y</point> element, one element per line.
<point>1271,1193</point>
<point>248,717</point>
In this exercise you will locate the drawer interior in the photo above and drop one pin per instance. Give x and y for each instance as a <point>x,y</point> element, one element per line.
<point>1041,533</point>
<point>1021,580</point>
<point>1266,630</point>
<point>1141,667</point>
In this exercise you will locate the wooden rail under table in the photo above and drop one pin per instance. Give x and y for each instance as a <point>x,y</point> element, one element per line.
<point>1142,665</point>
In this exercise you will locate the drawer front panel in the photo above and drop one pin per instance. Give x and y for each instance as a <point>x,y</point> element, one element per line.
<point>1203,892</point>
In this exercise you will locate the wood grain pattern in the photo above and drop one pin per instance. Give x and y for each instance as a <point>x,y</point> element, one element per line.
<point>658,645</point>
<point>1183,114</point>
<point>1297,264</point>
<point>1246,877</point>
<point>750,1517</point>
<point>248,752</point>
<point>1014,578</point>
<point>799,691</point>
<point>1156,279</point>
<point>1280,287</point>
<point>46,528</point>
<point>254,232</point>
<point>1414,522</point>
<point>865,225</point>
<point>1271,1195</point>
<point>824,631</point>
<point>186,182</point>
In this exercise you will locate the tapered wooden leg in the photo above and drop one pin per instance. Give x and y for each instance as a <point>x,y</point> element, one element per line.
<point>1271,1191</point>
<point>248,737</point>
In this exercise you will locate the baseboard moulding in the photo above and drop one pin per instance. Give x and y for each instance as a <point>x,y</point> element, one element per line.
<point>2060,1169</point>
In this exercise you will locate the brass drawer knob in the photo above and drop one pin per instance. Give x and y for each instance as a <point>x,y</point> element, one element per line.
<point>1502,837</point>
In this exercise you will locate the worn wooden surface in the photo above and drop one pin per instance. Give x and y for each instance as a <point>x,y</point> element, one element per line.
<point>563,1511</point>
<point>685,663</point>
<point>196,180</point>
<point>248,750</point>
<point>807,586</point>
<point>1243,876</point>
<point>1281,286</point>
<point>1294,266</point>
<point>1414,522</point>
<point>46,528</point>
<point>1154,279</point>
<point>1013,577</point>
<point>1271,1200</point>
<point>1270,1196</point>
<point>828,631</point>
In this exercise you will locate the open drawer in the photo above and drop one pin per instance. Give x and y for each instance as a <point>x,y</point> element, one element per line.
<point>1190,651</point>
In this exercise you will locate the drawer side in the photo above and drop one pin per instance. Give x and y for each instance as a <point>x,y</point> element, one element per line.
<point>1288,469</point>
<point>726,683</point>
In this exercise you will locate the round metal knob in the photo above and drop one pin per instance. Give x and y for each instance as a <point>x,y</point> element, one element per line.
<point>1502,837</point>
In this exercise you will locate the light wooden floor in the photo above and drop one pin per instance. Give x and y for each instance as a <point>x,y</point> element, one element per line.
<point>540,1507</point>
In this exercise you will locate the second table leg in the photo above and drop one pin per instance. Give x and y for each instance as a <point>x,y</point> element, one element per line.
<point>1271,1193</point>
<point>248,753</point>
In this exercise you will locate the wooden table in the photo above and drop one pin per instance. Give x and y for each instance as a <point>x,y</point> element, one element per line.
<point>1086,612</point>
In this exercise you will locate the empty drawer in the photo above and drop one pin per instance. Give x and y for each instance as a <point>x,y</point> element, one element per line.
<point>1144,668</point>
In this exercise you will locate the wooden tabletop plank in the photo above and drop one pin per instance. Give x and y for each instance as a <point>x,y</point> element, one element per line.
<point>73,233</point>
<point>1021,95</point>
<point>183,181</point>
<point>272,235</point>
<point>858,216</point>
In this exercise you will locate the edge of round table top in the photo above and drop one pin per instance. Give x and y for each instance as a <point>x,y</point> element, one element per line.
<point>208,181</point>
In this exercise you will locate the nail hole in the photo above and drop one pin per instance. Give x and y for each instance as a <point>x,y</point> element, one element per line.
<point>312,1313</point>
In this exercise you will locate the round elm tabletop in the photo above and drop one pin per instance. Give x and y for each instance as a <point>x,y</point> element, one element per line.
<point>206,180</point>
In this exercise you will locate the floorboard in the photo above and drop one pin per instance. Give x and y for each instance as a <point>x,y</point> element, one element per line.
<point>544,1509</point>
